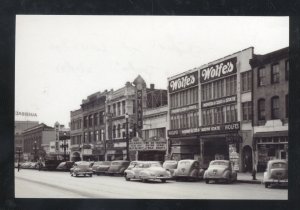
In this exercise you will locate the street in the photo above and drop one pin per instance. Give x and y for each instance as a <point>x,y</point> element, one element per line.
<point>54,184</point>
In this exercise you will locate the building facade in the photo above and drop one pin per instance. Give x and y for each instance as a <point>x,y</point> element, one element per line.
<point>76,133</point>
<point>270,106</point>
<point>36,139</point>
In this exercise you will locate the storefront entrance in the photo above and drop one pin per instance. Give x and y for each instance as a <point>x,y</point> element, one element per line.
<point>247,159</point>
<point>214,149</point>
<point>151,155</point>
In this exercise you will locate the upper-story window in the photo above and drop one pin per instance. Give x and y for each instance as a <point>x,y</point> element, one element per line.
<point>119,131</point>
<point>101,118</point>
<point>275,107</point>
<point>247,110</point>
<point>261,109</point>
<point>91,120</point>
<point>114,131</point>
<point>108,109</point>
<point>119,108</point>
<point>96,119</point>
<point>123,107</point>
<point>246,81</point>
<point>85,122</point>
<point>275,73</point>
<point>114,110</point>
<point>261,77</point>
<point>287,69</point>
<point>287,105</point>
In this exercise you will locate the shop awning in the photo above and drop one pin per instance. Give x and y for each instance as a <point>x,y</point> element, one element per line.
<point>271,134</point>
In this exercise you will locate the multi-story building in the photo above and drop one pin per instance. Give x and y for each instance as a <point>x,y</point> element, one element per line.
<point>210,111</point>
<point>270,106</point>
<point>152,145</point>
<point>76,132</point>
<point>36,139</point>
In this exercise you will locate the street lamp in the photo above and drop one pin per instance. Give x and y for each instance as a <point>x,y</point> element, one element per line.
<point>127,138</point>
<point>65,146</point>
<point>35,148</point>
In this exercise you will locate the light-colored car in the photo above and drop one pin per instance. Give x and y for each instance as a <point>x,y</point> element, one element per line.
<point>170,165</point>
<point>118,167</point>
<point>147,170</point>
<point>95,165</point>
<point>220,170</point>
<point>102,167</point>
<point>189,170</point>
<point>81,168</point>
<point>276,173</point>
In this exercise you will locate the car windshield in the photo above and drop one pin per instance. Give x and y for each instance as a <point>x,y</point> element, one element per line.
<point>279,165</point>
<point>170,165</point>
<point>116,163</point>
<point>219,163</point>
<point>98,163</point>
<point>155,165</point>
<point>184,163</point>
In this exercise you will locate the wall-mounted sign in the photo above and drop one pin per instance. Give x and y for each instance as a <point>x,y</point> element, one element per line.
<point>183,82</point>
<point>218,70</point>
<point>184,109</point>
<point>223,128</point>
<point>87,151</point>
<point>183,132</point>
<point>26,114</point>
<point>220,101</point>
<point>139,109</point>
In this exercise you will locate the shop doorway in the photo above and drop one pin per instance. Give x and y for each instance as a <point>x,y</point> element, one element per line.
<point>247,159</point>
<point>213,149</point>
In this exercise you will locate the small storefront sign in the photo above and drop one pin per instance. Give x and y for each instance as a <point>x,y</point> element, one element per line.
<point>183,82</point>
<point>218,70</point>
<point>183,132</point>
<point>222,101</point>
<point>223,128</point>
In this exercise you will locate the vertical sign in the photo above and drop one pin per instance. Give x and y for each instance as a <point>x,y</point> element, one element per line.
<point>139,109</point>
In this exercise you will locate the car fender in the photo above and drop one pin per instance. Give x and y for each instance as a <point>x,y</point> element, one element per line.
<point>226,174</point>
<point>194,173</point>
<point>265,177</point>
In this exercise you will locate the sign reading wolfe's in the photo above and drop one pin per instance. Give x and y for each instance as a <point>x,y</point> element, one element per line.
<point>183,82</point>
<point>218,70</point>
<point>139,109</point>
<point>220,128</point>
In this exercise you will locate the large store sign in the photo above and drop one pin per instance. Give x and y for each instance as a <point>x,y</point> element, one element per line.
<point>184,109</point>
<point>219,70</point>
<point>183,82</point>
<point>141,145</point>
<point>220,101</point>
<point>139,109</point>
<point>223,128</point>
<point>183,132</point>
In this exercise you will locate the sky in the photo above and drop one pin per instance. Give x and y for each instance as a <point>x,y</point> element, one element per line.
<point>61,60</point>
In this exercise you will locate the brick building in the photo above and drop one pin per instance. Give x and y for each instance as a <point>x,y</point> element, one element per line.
<point>270,106</point>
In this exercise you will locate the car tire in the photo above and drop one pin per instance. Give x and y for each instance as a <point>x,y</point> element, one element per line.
<point>207,181</point>
<point>126,178</point>
<point>163,181</point>
<point>91,175</point>
<point>71,174</point>
<point>75,174</point>
<point>266,185</point>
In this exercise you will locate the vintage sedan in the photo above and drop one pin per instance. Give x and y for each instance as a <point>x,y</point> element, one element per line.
<point>220,170</point>
<point>81,168</point>
<point>118,167</point>
<point>95,165</point>
<point>276,173</point>
<point>170,165</point>
<point>147,171</point>
<point>188,170</point>
<point>65,166</point>
<point>102,167</point>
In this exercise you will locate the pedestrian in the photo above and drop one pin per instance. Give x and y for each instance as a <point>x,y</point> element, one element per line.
<point>19,167</point>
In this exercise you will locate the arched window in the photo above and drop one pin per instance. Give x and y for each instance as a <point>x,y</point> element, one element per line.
<point>261,111</point>
<point>275,107</point>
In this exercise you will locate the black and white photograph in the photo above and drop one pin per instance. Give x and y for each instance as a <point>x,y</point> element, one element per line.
<point>151,107</point>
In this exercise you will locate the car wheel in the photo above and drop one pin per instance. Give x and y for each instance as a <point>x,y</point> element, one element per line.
<point>71,174</point>
<point>144,180</point>
<point>76,174</point>
<point>91,175</point>
<point>163,181</point>
<point>207,181</point>
<point>266,185</point>
<point>126,178</point>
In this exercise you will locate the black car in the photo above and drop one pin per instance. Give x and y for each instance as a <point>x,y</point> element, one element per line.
<point>65,166</point>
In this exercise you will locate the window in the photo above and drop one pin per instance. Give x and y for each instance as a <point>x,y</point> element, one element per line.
<point>101,135</point>
<point>91,137</point>
<point>261,109</point>
<point>275,107</point>
<point>123,107</point>
<point>119,131</point>
<point>261,77</point>
<point>91,120</point>
<point>247,110</point>
<point>96,119</point>
<point>275,73</point>
<point>246,81</point>
<point>114,131</point>
<point>133,106</point>
<point>287,105</point>
<point>101,118</point>
<point>85,121</point>
<point>287,69</point>
<point>119,109</point>
<point>114,110</point>
<point>85,139</point>
<point>97,135</point>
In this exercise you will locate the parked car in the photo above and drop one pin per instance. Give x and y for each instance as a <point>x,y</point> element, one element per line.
<point>81,168</point>
<point>189,170</point>
<point>118,167</point>
<point>95,165</point>
<point>170,165</point>
<point>103,167</point>
<point>65,166</point>
<point>25,165</point>
<point>147,171</point>
<point>276,173</point>
<point>220,170</point>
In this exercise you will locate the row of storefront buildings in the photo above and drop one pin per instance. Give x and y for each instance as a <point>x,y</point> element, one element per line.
<point>233,108</point>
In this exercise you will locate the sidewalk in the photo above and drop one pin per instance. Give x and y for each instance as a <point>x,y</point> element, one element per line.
<point>247,178</point>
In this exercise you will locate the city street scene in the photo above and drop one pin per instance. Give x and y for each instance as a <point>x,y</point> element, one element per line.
<point>146,107</point>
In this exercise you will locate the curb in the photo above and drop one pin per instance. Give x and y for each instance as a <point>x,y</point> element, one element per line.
<point>250,181</point>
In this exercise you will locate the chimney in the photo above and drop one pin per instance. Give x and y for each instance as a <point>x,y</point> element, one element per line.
<point>152,86</point>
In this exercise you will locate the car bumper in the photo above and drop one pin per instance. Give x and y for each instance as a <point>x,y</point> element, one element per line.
<point>279,182</point>
<point>83,172</point>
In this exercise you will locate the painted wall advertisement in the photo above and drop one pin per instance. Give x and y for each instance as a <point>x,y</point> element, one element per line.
<point>234,157</point>
<point>183,82</point>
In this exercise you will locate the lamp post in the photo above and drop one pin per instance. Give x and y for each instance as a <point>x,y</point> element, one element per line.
<point>35,148</point>
<point>127,137</point>
<point>65,146</point>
